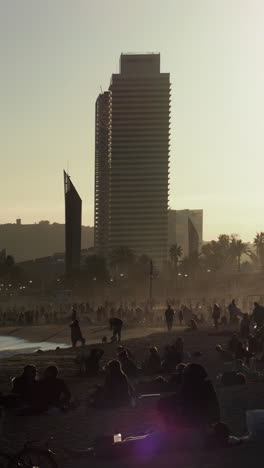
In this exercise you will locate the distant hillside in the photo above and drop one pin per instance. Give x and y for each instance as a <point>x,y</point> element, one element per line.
<point>29,241</point>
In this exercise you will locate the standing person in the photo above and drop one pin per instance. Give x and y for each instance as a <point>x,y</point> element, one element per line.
<point>76,334</point>
<point>216,315</point>
<point>180,314</point>
<point>258,314</point>
<point>169,314</point>
<point>116,325</point>
<point>245,327</point>
<point>234,311</point>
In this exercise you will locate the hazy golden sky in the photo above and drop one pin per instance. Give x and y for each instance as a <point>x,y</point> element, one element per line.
<point>55,55</point>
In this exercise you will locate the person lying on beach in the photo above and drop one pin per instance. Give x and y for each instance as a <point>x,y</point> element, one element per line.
<point>52,392</point>
<point>152,365</point>
<point>116,391</point>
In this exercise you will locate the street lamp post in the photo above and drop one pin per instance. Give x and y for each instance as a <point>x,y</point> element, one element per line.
<point>150,282</point>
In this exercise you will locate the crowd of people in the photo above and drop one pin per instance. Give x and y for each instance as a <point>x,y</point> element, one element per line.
<point>219,311</point>
<point>172,371</point>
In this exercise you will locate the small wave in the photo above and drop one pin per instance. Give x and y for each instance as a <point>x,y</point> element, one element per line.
<point>10,346</point>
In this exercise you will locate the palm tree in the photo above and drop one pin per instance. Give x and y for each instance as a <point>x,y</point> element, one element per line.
<point>237,249</point>
<point>122,257</point>
<point>259,245</point>
<point>175,254</point>
<point>96,267</point>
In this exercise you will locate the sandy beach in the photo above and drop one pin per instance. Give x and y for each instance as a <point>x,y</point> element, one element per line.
<point>78,427</point>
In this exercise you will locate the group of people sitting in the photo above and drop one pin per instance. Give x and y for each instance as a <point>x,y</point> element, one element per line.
<point>31,395</point>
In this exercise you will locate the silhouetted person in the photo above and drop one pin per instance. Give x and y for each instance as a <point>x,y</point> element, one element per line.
<point>216,315</point>
<point>76,334</point>
<point>169,314</point>
<point>180,315</point>
<point>53,392</point>
<point>116,391</point>
<point>173,355</point>
<point>233,343</point>
<point>234,311</point>
<point>152,365</point>
<point>92,362</point>
<point>176,378</point>
<point>127,364</point>
<point>116,325</point>
<point>245,327</point>
<point>25,386</point>
<point>258,314</point>
<point>196,405</point>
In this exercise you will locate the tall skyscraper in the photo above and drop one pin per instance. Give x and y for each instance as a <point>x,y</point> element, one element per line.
<point>186,229</point>
<point>102,166</point>
<point>132,159</point>
<point>73,224</point>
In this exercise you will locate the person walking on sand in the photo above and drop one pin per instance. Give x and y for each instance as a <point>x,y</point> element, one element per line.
<point>216,315</point>
<point>116,325</point>
<point>76,334</point>
<point>169,314</point>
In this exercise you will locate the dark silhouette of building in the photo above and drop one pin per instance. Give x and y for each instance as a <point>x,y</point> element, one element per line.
<point>193,238</point>
<point>186,229</point>
<point>73,223</point>
<point>132,159</point>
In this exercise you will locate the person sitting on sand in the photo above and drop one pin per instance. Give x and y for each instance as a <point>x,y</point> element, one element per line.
<point>128,366</point>
<point>173,355</point>
<point>192,326</point>
<point>119,350</point>
<point>76,334</point>
<point>196,405</point>
<point>53,392</point>
<point>241,352</point>
<point>233,343</point>
<point>152,365</point>
<point>116,392</point>
<point>224,354</point>
<point>176,378</point>
<point>25,386</point>
<point>91,363</point>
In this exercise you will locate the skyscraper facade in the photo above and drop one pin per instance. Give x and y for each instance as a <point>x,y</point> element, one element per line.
<point>185,228</point>
<point>102,167</point>
<point>137,155</point>
<point>73,224</point>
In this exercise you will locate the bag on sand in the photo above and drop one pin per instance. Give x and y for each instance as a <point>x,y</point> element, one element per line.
<point>255,424</point>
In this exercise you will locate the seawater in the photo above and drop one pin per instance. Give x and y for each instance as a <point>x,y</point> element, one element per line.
<point>10,345</point>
